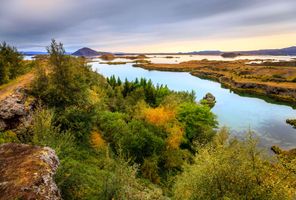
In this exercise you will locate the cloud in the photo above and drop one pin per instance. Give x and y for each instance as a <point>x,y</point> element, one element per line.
<point>122,24</point>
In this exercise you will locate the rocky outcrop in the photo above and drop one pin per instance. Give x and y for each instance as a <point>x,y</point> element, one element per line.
<point>15,110</point>
<point>26,172</point>
<point>292,122</point>
<point>209,100</point>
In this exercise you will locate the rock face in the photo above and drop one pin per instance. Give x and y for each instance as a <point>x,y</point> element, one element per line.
<point>26,172</point>
<point>14,111</point>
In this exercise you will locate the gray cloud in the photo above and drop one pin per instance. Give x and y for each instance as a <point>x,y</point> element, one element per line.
<point>112,24</point>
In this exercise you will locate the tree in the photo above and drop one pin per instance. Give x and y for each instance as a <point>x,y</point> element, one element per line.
<point>10,63</point>
<point>39,85</point>
<point>159,116</point>
<point>4,71</point>
<point>68,78</point>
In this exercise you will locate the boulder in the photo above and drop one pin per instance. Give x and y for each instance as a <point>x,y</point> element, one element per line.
<point>27,172</point>
<point>14,110</point>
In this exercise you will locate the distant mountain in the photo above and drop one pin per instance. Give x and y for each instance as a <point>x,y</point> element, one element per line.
<point>290,51</point>
<point>87,52</point>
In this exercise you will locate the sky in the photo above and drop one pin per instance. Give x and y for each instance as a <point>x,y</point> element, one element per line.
<point>149,25</point>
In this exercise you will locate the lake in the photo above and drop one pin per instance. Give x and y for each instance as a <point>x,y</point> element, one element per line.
<point>239,113</point>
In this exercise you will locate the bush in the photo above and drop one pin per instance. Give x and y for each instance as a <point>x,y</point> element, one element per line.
<point>90,176</point>
<point>232,169</point>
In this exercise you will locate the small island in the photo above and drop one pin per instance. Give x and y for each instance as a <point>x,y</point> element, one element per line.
<point>229,55</point>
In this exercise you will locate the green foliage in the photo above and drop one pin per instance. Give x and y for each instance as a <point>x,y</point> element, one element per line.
<point>10,63</point>
<point>233,169</point>
<point>152,94</point>
<point>40,83</point>
<point>68,81</point>
<point>150,169</point>
<point>113,127</point>
<point>142,141</point>
<point>85,175</point>
<point>199,122</point>
<point>77,120</point>
<point>8,137</point>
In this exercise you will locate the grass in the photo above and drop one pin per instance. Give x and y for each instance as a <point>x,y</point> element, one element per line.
<point>21,81</point>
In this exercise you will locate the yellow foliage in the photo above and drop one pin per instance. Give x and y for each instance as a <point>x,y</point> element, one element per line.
<point>175,138</point>
<point>159,116</point>
<point>96,140</point>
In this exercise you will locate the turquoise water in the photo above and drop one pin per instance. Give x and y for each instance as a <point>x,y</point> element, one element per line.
<point>236,112</point>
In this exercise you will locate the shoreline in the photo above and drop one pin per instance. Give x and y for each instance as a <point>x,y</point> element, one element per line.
<point>270,91</point>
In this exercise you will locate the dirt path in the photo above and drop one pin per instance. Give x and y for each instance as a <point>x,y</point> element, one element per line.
<point>22,81</point>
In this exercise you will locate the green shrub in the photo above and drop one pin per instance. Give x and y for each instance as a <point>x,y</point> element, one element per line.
<point>45,134</point>
<point>233,169</point>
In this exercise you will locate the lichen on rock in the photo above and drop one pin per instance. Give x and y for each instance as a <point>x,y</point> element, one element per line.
<point>27,172</point>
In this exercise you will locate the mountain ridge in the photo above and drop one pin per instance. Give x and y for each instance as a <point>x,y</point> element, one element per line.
<point>288,51</point>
